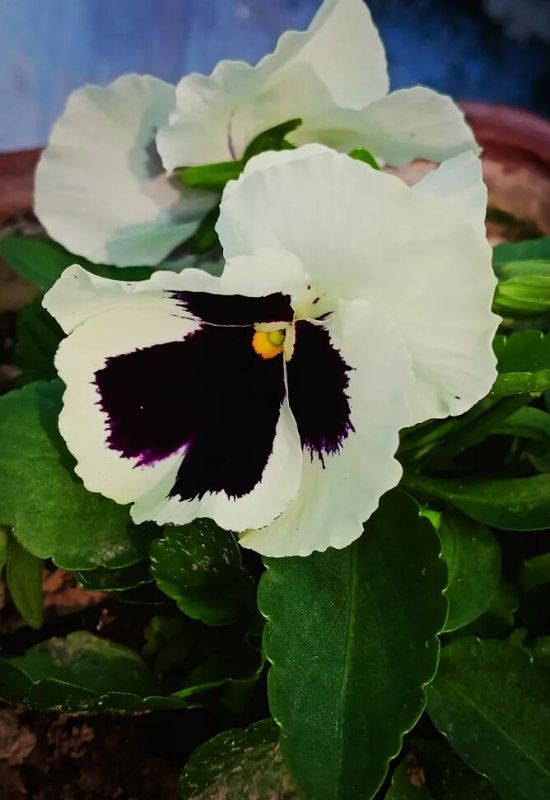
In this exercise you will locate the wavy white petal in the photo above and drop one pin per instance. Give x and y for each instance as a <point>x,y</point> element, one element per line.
<point>82,423</point>
<point>101,190</point>
<point>459,182</point>
<point>277,487</point>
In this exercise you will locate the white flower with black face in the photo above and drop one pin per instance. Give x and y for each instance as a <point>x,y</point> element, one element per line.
<point>104,186</point>
<point>270,399</point>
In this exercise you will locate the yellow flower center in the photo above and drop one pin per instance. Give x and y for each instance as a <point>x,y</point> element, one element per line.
<point>269,344</point>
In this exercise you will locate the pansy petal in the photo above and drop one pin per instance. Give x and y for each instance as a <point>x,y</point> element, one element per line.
<point>266,271</point>
<point>415,123</point>
<point>459,182</point>
<point>277,486</point>
<point>83,423</point>
<point>101,190</point>
<point>202,129</point>
<point>344,49</point>
<point>363,233</point>
<point>79,295</point>
<point>341,490</point>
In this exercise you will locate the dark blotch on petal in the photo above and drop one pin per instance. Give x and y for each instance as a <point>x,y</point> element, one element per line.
<point>236,309</point>
<point>317,383</point>
<point>210,394</point>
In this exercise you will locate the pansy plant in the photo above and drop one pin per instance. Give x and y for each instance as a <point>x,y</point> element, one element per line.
<point>113,184</point>
<point>346,347</point>
<point>271,399</point>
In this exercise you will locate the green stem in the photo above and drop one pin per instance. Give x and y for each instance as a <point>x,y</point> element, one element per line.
<point>445,450</point>
<point>428,434</point>
<point>424,488</point>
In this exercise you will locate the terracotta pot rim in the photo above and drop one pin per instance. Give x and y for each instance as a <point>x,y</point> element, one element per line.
<point>514,128</point>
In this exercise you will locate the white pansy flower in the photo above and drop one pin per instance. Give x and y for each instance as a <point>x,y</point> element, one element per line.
<point>271,399</point>
<point>334,77</point>
<point>105,188</point>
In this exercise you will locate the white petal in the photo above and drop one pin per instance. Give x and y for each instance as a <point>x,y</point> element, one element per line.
<point>335,499</point>
<point>343,48</point>
<point>278,486</point>
<point>338,60</point>
<point>79,295</point>
<point>459,182</point>
<point>101,190</point>
<point>207,125</point>
<point>82,423</point>
<point>361,233</point>
<point>273,158</point>
<point>265,272</point>
<point>413,123</point>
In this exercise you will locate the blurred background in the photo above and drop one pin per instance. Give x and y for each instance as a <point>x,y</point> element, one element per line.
<point>492,50</point>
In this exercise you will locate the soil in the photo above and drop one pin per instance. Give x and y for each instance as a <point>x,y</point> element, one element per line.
<point>62,757</point>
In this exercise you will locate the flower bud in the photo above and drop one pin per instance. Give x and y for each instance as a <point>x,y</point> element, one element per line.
<point>523,288</point>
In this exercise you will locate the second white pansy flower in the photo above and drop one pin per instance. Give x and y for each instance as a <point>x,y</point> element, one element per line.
<point>270,399</point>
<point>105,187</point>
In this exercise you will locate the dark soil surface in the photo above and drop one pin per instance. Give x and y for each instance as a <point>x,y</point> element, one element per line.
<point>80,757</point>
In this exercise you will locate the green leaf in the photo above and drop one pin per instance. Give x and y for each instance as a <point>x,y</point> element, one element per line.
<point>522,251</point>
<point>361,154</point>
<point>527,423</point>
<point>82,673</point>
<point>42,261</point>
<point>498,619</point>
<point>339,626</point>
<point>523,363</point>
<point>51,513</point>
<point>210,177</point>
<point>222,661</point>
<point>493,704</point>
<point>534,584</point>
<point>272,139</point>
<point>167,642</point>
<point>431,771</point>
<point>511,504</point>
<point>535,572</point>
<point>200,567</point>
<point>205,237</point>
<point>24,582</point>
<point>38,261</point>
<point>540,650</point>
<point>38,337</point>
<point>523,289</point>
<point>472,555</point>
<point>115,580</point>
<point>238,764</point>
<point>4,540</point>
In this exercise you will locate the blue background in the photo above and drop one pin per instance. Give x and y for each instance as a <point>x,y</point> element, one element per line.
<point>495,50</point>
